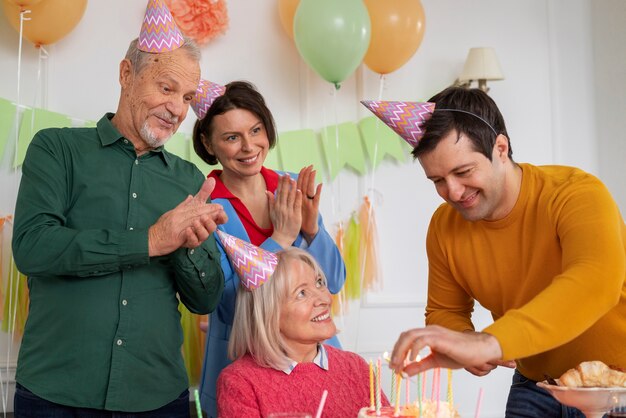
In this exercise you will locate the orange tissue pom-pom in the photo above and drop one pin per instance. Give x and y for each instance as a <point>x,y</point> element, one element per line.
<point>201,20</point>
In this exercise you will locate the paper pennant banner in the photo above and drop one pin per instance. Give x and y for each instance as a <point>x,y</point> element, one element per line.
<point>379,141</point>
<point>272,160</point>
<point>298,149</point>
<point>342,147</point>
<point>34,120</point>
<point>7,120</point>
<point>178,144</point>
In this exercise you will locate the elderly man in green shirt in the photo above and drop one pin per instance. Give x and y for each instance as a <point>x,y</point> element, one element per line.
<point>110,237</point>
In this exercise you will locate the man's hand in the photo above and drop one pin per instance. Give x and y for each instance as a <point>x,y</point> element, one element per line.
<point>188,224</point>
<point>485,369</point>
<point>449,349</point>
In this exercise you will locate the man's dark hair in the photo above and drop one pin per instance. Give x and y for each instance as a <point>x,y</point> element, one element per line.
<point>481,127</point>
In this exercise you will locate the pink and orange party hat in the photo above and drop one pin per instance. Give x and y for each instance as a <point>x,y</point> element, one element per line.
<point>253,264</point>
<point>159,33</point>
<point>205,95</point>
<point>405,118</point>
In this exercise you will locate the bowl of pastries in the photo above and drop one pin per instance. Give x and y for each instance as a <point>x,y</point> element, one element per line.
<point>592,387</point>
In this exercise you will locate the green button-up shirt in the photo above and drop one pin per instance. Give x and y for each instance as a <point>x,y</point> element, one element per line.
<point>103,329</point>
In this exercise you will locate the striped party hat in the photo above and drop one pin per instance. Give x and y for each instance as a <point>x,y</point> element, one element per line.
<point>253,264</point>
<point>405,118</point>
<point>159,32</point>
<point>205,95</point>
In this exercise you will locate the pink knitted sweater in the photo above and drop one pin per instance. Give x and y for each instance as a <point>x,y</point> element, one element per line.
<point>245,389</point>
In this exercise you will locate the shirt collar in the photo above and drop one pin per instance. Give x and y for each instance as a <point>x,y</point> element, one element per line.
<point>221,191</point>
<point>110,135</point>
<point>321,360</point>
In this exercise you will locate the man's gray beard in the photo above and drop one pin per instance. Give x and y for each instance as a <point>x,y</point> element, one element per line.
<point>150,138</point>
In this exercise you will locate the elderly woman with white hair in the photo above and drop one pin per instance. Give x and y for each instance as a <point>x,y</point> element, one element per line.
<point>281,363</point>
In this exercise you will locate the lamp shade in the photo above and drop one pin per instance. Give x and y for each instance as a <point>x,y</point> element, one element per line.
<point>481,64</point>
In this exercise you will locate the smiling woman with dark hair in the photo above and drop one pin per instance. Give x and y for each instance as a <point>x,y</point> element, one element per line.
<point>267,208</point>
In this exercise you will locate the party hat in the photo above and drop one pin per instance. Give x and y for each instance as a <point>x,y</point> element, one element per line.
<point>205,95</point>
<point>253,264</point>
<point>159,32</point>
<point>405,118</point>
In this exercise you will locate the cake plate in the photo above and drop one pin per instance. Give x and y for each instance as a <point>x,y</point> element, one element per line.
<point>593,402</point>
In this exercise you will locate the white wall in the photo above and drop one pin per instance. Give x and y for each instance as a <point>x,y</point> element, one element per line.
<point>564,66</point>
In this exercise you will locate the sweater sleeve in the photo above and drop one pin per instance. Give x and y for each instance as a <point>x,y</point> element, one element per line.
<point>590,232</point>
<point>235,396</point>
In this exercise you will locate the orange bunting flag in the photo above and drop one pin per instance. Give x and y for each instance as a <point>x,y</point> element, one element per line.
<point>371,277</point>
<point>15,309</point>
<point>193,343</point>
<point>358,245</point>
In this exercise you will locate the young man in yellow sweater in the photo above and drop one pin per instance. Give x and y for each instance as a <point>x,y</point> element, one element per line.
<point>541,247</point>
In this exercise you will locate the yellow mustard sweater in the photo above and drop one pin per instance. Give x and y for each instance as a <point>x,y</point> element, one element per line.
<point>551,273</point>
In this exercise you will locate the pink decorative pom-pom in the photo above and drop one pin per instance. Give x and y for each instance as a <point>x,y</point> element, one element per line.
<point>201,20</point>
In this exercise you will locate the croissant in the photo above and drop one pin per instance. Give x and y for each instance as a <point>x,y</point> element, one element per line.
<point>593,374</point>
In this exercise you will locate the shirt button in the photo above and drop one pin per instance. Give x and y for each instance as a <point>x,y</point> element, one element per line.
<point>131,228</point>
<point>191,251</point>
<point>119,342</point>
<point>124,302</point>
<point>136,162</point>
<point>202,274</point>
<point>134,195</point>
<point>126,141</point>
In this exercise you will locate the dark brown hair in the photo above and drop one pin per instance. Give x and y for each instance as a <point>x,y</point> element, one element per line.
<point>478,118</point>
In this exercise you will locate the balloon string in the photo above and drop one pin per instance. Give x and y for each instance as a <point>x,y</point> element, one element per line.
<point>375,159</point>
<point>329,165</point>
<point>337,150</point>
<point>42,85</point>
<point>5,390</point>
<point>19,78</point>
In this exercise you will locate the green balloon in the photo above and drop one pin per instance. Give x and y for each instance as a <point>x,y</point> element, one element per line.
<point>332,36</point>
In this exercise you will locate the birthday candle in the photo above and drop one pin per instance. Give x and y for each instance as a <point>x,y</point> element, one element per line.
<point>433,392</point>
<point>479,403</point>
<point>378,389</point>
<point>419,392</point>
<point>197,401</point>
<point>393,388</point>
<point>398,388</point>
<point>450,397</point>
<point>408,392</point>
<point>424,379</point>
<point>372,406</point>
<point>438,379</point>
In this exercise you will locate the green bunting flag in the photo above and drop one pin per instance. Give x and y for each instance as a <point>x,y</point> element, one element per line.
<point>380,140</point>
<point>298,149</point>
<point>34,120</point>
<point>7,120</point>
<point>342,147</point>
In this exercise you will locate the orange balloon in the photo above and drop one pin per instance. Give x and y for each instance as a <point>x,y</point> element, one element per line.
<point>286,12</point>
<point>397,31</point>
<point>50,20</point>
<point>24,3</point>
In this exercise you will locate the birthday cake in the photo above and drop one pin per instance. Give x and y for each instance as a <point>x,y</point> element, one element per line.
<point>429,410</point>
